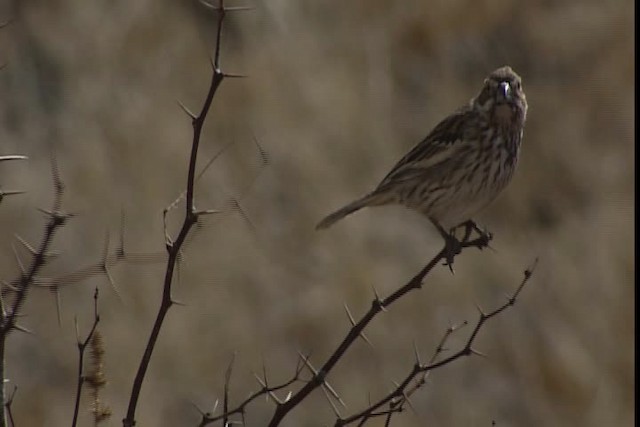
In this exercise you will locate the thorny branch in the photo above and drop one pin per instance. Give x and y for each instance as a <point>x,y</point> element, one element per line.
<point>82,345</point>
<point>20,286</point>
<point>4,193</point>
<point>396,400</point>
<point>191,216</point>
<point>23,283</point>
<point>356,331</point>
<point>398,397</point>
<point>265,390</point>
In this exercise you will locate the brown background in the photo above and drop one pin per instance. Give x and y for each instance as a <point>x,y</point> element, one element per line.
<point>337,92</point>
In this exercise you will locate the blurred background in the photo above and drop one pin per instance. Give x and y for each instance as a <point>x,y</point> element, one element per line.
<point>336,93</point>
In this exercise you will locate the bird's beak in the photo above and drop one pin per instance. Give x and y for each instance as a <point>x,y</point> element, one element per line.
<point>504,92</point>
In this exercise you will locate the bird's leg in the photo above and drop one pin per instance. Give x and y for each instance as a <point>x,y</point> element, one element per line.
<point>484,236</point>
<point>452,245</point>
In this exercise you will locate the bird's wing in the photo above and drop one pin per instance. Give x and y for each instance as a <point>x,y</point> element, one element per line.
<point>435,148</point>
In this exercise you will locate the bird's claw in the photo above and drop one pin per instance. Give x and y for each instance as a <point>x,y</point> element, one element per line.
<point>484,235</point>
<point>484,239</point>
<point>452,248</point>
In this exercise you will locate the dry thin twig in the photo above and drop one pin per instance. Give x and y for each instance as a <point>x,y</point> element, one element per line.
<point>356,330</point>
<point>21,286</point>
<point>8,404</point>
<point>398,397</point>
<point>82,345</point>
<point>265,390</point>
<point>190,218</point>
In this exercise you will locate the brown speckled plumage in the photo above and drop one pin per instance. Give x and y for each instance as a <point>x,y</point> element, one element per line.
<point>463,164</point>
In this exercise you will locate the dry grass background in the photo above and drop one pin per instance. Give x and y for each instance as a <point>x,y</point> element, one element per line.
<point>337,92</point>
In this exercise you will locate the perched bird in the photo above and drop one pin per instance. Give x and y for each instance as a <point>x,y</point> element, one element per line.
<point>462,165</point>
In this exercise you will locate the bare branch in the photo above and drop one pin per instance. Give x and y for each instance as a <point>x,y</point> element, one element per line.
<point>82,345</point>
<point>190,218</point>
<point>377,305</point>
<point>398,397</point>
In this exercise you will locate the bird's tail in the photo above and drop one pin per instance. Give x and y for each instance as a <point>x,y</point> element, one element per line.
<point>369,200</point>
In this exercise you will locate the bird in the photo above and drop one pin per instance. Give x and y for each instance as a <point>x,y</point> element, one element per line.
<point>461,165</point>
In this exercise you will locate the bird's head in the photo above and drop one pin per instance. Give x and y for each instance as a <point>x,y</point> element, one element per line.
<point>502,97</point>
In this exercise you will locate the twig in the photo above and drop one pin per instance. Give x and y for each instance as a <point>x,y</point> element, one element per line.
<point>356,330</point>
<point>265,390</point>
<point>191,217</point>
<point>82,345</point>
<point>27,278</point>
<point>57,219</point>
<point>8,404</point>
<point>399,396</point>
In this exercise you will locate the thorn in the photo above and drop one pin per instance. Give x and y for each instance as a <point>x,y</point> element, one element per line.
<point>8,285</point>
<point>186,110</point>
<point>213,65</point>
<point>442,349</point>
<point>18,260</point>
<point>225,9</point>
<point>262,383</point>
<point>235,206</point>
<point>227,381</point>
<point>22,329</point>
<point>105,249</point>
<point>200,411</point>
<point>234,76</point>
<point>12,156</point>
<point>269,392</point>
<point>4,193</point>
<point>50,255</point>
<point>275,398</point>
<point>333,406</point>
<point>56,295</point>
<point>335,394</point>
<point>416,353</point>
<point>321,376</point>
<point>378,300</point>
<point>107,273</point>
<point>529,271</point>
<point>210,162</point>
<point>32,250</point>
<point>264,371</point>
<point>264,156</point>
<point>353,323</point>
<point>478,353</point>
<point>409,403</point>
<point>482,313</point>
<point>346,308</point>
<point>450,265</point>
<point>45,282</point>
<point>366,339</point>
<point>75,324</point>
<point>178,303</point>
<point>305,360</point>
<point>60,216</point>
<point>207,212</point>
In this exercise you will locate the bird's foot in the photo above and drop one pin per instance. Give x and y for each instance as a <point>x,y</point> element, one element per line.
<point>483,239</point>
<point>452,247</point>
